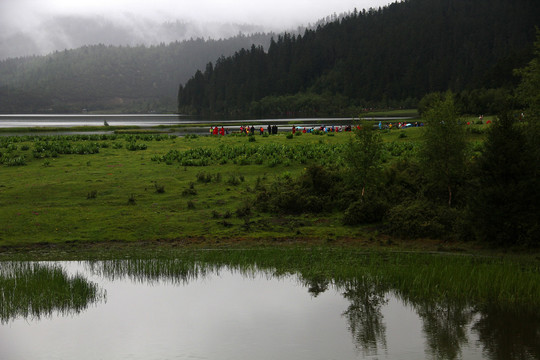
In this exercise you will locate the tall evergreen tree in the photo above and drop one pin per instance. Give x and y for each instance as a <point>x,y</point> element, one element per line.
<point>505,204</point>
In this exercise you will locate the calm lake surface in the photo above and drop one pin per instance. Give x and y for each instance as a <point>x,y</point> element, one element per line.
<point>226,313</point>
<point>151,120</point>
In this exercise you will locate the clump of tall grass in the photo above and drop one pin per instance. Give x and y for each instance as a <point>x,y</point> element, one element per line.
<point>91,194</point>
<point>190,190</point>
<point>160,189</point>
<point>235,180</point>
<point>33,290</point>
<point>243,210</point>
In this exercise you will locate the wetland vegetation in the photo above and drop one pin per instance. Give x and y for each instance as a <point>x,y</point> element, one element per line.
<point>457,299</point>
<point>353,212</point>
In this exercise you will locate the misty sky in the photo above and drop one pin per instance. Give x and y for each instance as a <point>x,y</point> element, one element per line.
<point>41,24</point>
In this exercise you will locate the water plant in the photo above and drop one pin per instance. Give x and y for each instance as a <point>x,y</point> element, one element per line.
<point>35,290</point>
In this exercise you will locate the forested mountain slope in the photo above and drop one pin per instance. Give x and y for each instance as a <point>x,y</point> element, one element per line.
<point>98,77</point>
<point>393,55</point>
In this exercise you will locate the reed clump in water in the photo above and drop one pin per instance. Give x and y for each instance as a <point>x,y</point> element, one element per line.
<point>34,290</point>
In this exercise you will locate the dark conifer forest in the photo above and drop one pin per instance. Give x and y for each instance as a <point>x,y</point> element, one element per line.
<point>382,58</point>
<point>389,57</point>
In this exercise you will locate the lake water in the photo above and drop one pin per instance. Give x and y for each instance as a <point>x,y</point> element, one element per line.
<point>152,120</point>
<point>225,313</point>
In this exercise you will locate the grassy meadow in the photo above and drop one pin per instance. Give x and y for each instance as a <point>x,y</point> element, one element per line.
<point>116,189</point>
<point>147,187</point>
<point>156,196</point>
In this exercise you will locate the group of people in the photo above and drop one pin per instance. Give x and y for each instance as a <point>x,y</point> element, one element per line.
<point>218,131</point>
<point>273,129</point>
<point>322,128</point>
<point>399,125</point>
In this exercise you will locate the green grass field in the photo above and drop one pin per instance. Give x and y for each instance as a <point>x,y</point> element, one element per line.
<point>113,195</point>
<point>127,187</point>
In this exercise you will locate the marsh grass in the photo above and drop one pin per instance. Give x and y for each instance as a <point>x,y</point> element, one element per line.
<point>415,277</point>
<point>34,290</point>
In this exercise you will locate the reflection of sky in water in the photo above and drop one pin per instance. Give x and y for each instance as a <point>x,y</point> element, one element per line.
<point>11,121</point>
<point>224,316</point>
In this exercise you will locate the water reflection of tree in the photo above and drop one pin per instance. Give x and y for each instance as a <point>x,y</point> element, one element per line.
<point>32,290</point>
<point>509,335</point>
<point>445,327</point>
<point>364,316</point>
<point>317,285</point>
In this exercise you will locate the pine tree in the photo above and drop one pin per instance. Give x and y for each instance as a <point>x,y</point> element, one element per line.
<point>505,204</point>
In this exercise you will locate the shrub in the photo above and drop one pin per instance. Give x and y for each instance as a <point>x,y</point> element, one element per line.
<point>312,192</point>
<point>190,191</point>
<point>244,210</point>
<point>133,146</point>
<point>204,177</point>
<point>365,211</point>
<point>233,180</point>
<point>420,218</point>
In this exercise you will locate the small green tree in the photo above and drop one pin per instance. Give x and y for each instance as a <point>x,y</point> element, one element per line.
<point>364,159</point>
<point>364,175</point>
<point>444,147</point>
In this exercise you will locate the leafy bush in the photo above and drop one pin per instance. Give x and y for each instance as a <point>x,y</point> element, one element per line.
<point>190,191</point>
<point>133,146</point>
<point>204,177</point>
<point>314,191</point>
<point>234,180</point>
<point>244,210</point>
<point>420,218</point>
<point>365,211</point>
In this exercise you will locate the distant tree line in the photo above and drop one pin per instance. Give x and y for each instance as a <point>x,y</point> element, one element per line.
<point>104,77</point>
<point>391,56</point>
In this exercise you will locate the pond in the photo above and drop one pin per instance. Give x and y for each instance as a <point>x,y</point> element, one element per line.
<point>154,309</point>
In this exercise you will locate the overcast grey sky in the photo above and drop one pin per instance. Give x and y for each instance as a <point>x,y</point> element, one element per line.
<point>39,25</point>
<point>282,13</point>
